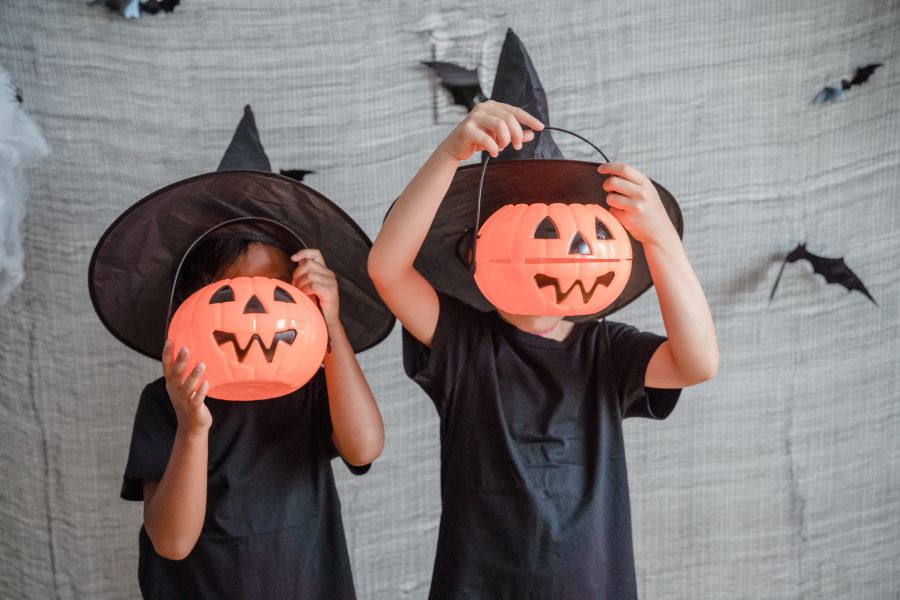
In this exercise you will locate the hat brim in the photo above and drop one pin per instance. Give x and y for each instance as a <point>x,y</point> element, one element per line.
<point>131,269</point>
<point>520,181</point>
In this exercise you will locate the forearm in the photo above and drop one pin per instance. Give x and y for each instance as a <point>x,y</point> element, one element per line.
<point>407,224</point>
<point>174,515</point>
<point>356,421</point>
<point>685,311</point>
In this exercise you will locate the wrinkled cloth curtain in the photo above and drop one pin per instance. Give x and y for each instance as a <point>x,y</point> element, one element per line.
<point>778,479</point>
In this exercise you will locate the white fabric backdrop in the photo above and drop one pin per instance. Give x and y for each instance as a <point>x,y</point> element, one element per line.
<point>779,479</point>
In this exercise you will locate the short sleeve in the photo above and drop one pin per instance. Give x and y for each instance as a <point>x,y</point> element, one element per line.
<point>631,351</point>
<point>436,369</point>
<point>318,394</point>
<point>151,440</point>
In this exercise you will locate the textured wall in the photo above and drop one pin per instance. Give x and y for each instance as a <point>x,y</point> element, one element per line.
<point>779,479</point>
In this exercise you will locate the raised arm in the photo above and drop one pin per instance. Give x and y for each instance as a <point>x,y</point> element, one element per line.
<point>489,127</point>
<point>175,506</point>
<point>357,428</point>
<point>691,354</point>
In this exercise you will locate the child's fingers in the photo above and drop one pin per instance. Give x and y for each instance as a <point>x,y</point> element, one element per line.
<point>308,269</point>
<point>483,141</point>
<point>200,395</point>
<point>618,201</point>
<point>313,254</point>
<point>527,135</point>
<point>496,127</point>
<point>175,369</point>
<point>192,380</point>
<point>313,288</point>
<point>515,130</point>
<point>521,116</point>
<point>301,279</point>
<point>312,266</point>
<point>623,170</point>
<point>320,283</point>
<point>621,186</point>
<point>167,356</point>
<point>527,119</point>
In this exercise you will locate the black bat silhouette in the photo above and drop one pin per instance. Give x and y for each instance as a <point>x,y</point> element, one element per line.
<point>835,270</point>
<point>154,6</point>
<point>296,174</point>
<point>861,76</point>
<point>459,81</point>
<point>133,9</point>
<point>830,94</point>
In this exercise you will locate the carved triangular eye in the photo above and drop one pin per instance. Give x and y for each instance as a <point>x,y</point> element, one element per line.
<point>223,294</point>
<point>602,232</point>
<point>579,245</point>
<point>546,230</point>
<point>254,306</point>
<point>283,296</point>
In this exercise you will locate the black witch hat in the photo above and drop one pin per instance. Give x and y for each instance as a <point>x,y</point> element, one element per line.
<point>536,173</point>
<point>132,270</point>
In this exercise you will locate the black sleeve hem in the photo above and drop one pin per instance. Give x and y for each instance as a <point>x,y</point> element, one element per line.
<point>357,470</point>
<point>661,402</point>
<point>132,489</point>
<point>649,402</point>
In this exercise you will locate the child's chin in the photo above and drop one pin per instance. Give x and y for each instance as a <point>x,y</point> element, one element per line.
<point>535,324</point>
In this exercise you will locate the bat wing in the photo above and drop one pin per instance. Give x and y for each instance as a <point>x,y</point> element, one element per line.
<point>296,174</point>
<point>828,94</point>
<point>154,6</point>
<point>862,75</point>
<point>462,83</point>
<point>133,9</point>
<point>834,270</point>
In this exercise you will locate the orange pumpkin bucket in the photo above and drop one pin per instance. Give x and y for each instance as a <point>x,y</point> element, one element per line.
<point>551,259</point>
<point>561,259</point>
<point>258,337</point>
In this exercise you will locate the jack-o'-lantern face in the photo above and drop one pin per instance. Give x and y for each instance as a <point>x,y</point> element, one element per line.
<point>258,337</point>
<point>557,259</point>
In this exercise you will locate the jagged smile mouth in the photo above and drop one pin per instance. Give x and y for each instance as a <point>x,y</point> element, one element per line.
<point>543,281</point>
<point>287,336</point>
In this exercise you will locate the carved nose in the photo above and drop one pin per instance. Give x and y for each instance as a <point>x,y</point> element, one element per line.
<point>254,306</point>
<point>579,245</point>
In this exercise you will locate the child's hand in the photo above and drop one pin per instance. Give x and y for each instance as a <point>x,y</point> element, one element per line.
<point>187,399</point>
<point>634,201</point>
<point>490,126</point>
<point>315,279</point>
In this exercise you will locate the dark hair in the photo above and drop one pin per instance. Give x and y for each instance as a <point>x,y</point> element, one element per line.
<point>207,262</point>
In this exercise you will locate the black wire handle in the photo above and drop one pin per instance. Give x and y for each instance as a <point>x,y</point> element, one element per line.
<point>203,236</point>
<point>487,157</point>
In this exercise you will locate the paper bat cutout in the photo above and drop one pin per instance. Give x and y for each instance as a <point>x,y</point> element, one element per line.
<point>133,9</point>
<point>835,270</point>
<point>461,82</point>
<point>831,94</point>
<point>296,174</point>
<point>154,6</point>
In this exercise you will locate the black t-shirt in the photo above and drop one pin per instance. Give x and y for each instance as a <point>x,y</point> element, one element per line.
<point>273,518</point>
<point>533,481</point>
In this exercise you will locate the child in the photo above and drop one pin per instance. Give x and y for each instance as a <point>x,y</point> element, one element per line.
<point>533,480</point>
<point>239,497</point>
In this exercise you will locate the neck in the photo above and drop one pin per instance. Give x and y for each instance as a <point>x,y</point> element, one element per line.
<point>545,326</point>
